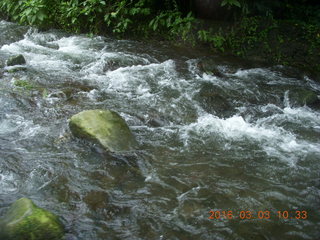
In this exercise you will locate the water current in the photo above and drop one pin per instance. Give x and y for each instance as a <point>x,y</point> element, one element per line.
<point>221,156</point>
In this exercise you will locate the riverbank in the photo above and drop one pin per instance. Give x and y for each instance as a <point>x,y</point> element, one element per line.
<point>271,41</point>
<point>267,40</point>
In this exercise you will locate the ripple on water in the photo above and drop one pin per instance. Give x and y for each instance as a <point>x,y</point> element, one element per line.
<point>8,183</point>
<point>14,123</point>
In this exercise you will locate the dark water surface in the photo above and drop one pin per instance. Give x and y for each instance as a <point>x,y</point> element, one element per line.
<point>239,142</point>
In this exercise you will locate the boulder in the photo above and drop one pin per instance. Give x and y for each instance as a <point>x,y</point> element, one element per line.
<point>16,60</point>
<point>24,220</point>
<point>104,127</point>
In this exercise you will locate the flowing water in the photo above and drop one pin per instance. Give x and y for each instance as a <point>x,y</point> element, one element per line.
<point>235,142</point>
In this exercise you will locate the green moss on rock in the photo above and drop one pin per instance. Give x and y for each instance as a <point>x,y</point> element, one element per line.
<point>304,97</point>
<point>16,60</point>
<point>104,127</point>
<point>25,221</point>
<point>23,84</point>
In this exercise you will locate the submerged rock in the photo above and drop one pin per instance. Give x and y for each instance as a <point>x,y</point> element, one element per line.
<point>51,45</point>
<point>209,66</point>
<point>24,220</point>
<point>104,127</point>
<point>213,100</point>
<point>304,97</point>
<point>16,60</point>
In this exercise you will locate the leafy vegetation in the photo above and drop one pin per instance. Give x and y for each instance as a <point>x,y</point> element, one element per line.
<point>96,16</point>
<point>254,25</point>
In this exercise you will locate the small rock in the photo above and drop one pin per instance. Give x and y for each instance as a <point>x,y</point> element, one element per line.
<point>154,122</point>
<point>211,68</point>
<point>1,64</point>
<point>51,45</point>
<point>57,94</point>
<point>16,60</point>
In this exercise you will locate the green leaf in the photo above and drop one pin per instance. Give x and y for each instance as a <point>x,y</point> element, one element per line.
<point>237,3</point>
<point>33,19</point>
<point>113,14</point>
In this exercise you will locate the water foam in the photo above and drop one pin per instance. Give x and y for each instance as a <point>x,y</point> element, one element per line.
<point>15,123</point>
<point>275,141</point>
<point>141,77</point>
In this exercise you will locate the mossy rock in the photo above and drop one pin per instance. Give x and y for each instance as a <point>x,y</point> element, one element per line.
<point>16,60</point>
<point>104,127</point>
<point>304,97</point>
<point>23,84</point>
<point>25,221</point>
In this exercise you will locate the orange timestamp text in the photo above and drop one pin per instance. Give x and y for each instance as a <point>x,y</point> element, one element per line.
<point>247,214</point>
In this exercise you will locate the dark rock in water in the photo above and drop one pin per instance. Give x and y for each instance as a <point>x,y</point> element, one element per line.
<point>72,87</point>
<point>214,102</point>
<point>57,94</point>
<point>304,97</point>
<point>96,200</point>
<point>104,127</point>
<point>153,122</point>
<point>50,45</point>
<point>24,220</point>
<point>16,60</point>
<point>209,66</point>
<point>223,66</point>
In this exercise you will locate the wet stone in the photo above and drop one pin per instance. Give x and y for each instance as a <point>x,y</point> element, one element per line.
<point>24,220</point>
<point>16,60</point>
<point>96,200</point>
<point>211,68</point>
<point>104,127</point>
<point>214,102</point>
<point>51,45</point>
<point>303,96</point>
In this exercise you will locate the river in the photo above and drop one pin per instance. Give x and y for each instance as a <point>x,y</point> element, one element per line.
<point>226,156</point>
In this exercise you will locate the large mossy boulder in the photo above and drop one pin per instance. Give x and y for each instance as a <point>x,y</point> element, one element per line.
<point>25,221</point>
<point>16,60</point>
<point>104,127</point>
